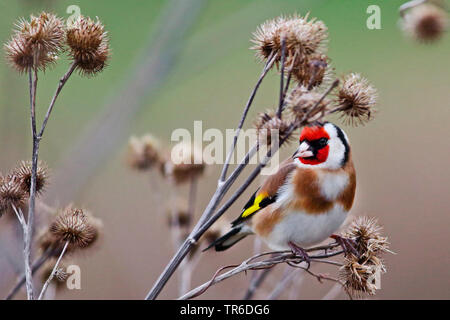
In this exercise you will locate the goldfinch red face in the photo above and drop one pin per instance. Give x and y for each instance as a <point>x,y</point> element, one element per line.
<point>324,146</point>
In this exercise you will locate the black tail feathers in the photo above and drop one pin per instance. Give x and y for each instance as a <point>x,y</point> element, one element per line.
<point>229,239</point>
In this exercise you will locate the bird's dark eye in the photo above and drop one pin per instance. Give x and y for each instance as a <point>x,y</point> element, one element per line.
<point>322,142</point>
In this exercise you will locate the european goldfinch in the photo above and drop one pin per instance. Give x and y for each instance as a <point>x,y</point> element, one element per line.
<point>306,200</point>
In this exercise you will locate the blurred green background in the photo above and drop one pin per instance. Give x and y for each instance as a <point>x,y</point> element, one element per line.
<point>402,157</point>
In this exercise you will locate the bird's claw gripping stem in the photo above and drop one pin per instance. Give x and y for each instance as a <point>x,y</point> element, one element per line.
<point>298,251</point>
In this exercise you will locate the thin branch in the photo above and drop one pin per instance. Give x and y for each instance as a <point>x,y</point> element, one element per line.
<point>37,264</point>
<point>243,187</point>
<point>283,59</point>
<point>20,216</point>
<point>267,66</point>
<point>50,278</point>
<point>27,232</point>
<point>288,82</point>
<point>275,259</point>
<point>224,187</point>
<point>61,84</point>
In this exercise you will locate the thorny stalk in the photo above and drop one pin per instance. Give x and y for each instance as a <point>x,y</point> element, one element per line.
<point>50,278</point>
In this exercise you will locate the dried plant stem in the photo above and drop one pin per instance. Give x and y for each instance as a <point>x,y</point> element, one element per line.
<point>277,258</point>
<point>245,185</point>
<point>190,240</point>
<point>28,232</point>
<point>198,230</point>
<point>320,277</point>
<point>283,59</point>
<point>50,278</point>
<point>19,215</point>
<point>61,84</point>
<point>28,229</point>
<point>208,217</point>
<point>37,264</point>
<point>288,81</point>
<point>266,69</point>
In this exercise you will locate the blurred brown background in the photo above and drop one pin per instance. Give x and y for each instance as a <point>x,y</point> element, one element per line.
<point>193,63</point>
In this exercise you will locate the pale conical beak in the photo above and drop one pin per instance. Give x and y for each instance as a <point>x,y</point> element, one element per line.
<point>304,151</point>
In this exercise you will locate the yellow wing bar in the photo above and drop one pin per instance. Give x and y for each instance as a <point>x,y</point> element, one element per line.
<point>255,206</point>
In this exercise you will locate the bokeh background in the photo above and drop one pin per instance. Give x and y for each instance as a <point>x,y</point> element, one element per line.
<point>178,61</point>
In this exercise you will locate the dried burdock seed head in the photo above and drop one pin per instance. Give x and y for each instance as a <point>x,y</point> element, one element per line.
<point>302,37</point>
<point>425,22</point>
<point>266,38</point>
<point>269,126</point>
<point>46,32</point>
<point>23,175</point>
<point>359,278</point>
<point>35,43</point>
<point>19,54</point>
<point>75,226</point>
<point>303,104</point>
<point>362,274</point>
<point>143,152</point>
<point>60,276</point>
<point>88,44</point>
<point>11,194</point>
<point>186,163</point>
<point>356,99</point>
<point>311,71</point>
<point>366,234</point>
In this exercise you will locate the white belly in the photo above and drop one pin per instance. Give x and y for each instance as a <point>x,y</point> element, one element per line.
<point>305,229</point>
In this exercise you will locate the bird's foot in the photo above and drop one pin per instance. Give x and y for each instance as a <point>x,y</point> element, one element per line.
<point>298,251</point>
<point>348,245</point>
